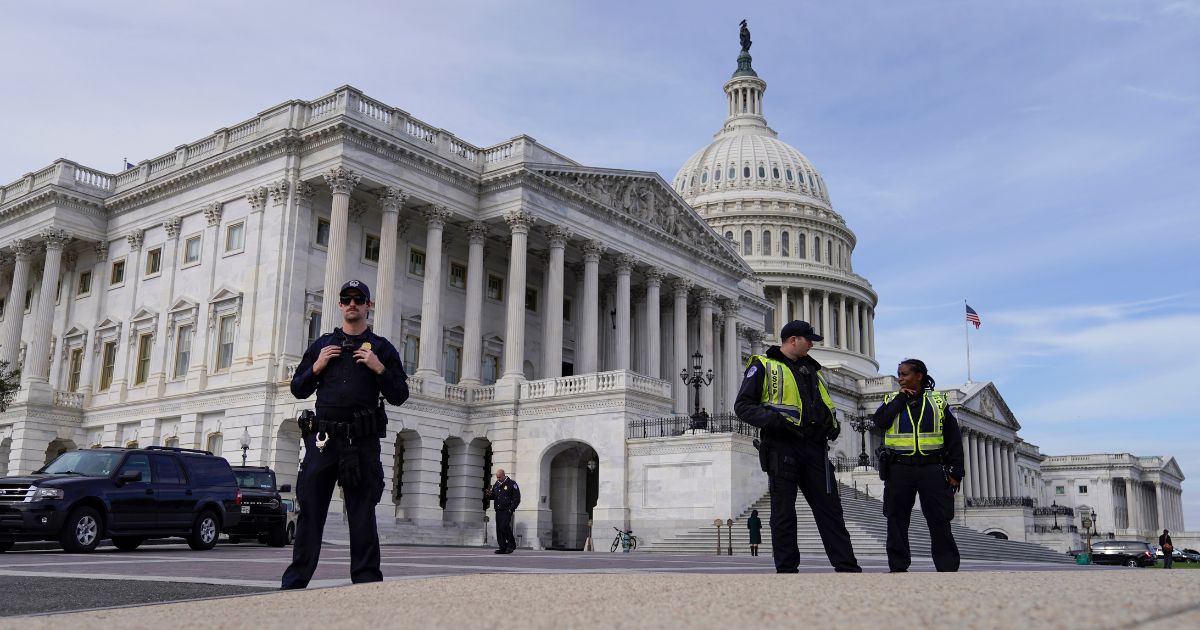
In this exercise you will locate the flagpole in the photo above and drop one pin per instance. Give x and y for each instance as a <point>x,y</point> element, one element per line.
<point>967,337</point>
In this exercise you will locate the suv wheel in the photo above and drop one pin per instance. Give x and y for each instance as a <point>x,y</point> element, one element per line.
<point>204,532</point>
<point>278,536</point>
<point>127,543</point>
<point>5,545</point>
<point>1132,562</point>
<point>82,530</point>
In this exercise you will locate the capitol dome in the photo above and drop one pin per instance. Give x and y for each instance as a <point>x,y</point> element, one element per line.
<point>771,202</point>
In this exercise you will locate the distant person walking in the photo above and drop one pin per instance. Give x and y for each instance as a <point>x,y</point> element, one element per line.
<point>755,526</point>
<point>1168,549</point>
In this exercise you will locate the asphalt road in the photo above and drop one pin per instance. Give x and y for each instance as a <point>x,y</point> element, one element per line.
<point>40,582</point>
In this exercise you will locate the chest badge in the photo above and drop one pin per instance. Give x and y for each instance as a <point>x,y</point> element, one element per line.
<point>366,345</point>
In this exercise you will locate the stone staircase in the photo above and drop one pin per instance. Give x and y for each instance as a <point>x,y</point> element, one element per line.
<point>868,531</point>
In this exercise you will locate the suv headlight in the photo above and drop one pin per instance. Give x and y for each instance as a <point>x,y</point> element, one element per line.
<point>47,493</point>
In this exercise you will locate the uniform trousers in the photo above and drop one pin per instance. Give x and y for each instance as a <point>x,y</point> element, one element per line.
<point>504,530</point>
<point>904,484</point>
<point>806,472</point>
<point>314,490</point>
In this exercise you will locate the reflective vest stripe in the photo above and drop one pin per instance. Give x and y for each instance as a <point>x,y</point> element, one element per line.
<point>922,439</point>
<point>781,392</point>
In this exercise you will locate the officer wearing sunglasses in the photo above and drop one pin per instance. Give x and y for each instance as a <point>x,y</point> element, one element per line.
<point>352,370</point>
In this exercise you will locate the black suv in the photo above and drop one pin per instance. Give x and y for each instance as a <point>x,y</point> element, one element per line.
<point>1131,553</point>
<point>125,494</point>
<point>264,515</point>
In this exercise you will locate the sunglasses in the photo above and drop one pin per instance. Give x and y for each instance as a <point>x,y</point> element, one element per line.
<point>357,299</point>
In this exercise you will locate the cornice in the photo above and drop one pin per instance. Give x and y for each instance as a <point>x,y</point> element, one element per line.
<point>53,196</point>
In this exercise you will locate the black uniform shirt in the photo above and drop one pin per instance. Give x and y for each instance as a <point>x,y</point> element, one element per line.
<point>506,494</point>
<point>951,432</point>
<point>345,384</point>
<point>749,407</point>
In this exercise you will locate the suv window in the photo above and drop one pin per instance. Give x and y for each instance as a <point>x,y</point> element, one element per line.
<point>255,479</point>
<point>209,471</point>
<point>167,471</point>
<point>139,462</point>
<point>88,463</point>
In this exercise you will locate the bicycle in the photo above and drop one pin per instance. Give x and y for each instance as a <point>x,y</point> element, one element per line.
<point>617,540</point>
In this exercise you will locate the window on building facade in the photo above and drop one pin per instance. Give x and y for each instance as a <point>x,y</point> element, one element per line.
<point>531,300</point>
<point>828,251</point>
<point>76,368</point>
<point>732,172</point>
<point>1082,489</point>
<point>491,368</point>
<point>412,352</point>
<point>322,236</point>
<point>453,364</point>
<point>225,330</point>
<point>314,329</point>
<point>458,275</point>
<point>785,245</point>
<point>495,288</point>
<point>183,351</point>
<point>775,172</point>
<point>762,172</point>
<point>28,300</point>
<point>171,442</point>
<point>1060,490</point>
<point>214,443</point>
<point>416,262</point>
<point>108,365</point>
<point>747,243</point>
<point>85,283</point>
<point>235,237</point>
<point>729,236</point>
<point>371,248</point>
<point>116,276</point>
<point>766,243</point>
<point>142,371</point>
<point>717,173</point>
<point>191,250</point>
<point>789,174</point>
<point>704,177</point>
<point>154,261</point>
<point>817,248</point>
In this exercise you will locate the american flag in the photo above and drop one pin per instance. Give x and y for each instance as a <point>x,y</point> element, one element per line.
<point>973,317</point>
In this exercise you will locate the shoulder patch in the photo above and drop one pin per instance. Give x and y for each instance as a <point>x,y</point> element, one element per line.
<point>752,371</point>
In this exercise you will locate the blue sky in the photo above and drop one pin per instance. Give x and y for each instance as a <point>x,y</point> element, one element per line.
<point>1037,158</point>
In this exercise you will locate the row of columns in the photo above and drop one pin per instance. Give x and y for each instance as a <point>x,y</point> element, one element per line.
<point>1152,506</point>
<point>37,357</point>
<point>990,463</point>
<point>855,317</point>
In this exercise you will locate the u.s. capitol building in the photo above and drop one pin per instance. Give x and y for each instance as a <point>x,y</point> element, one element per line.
<point>545,310</point>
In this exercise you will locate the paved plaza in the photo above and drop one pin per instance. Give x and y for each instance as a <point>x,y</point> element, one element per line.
<point>448,587</point>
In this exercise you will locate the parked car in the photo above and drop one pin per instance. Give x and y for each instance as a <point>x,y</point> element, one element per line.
<point>1192,555</point>
<point>1177,555</point>
<point>128,495</point>
<point>264,515</point>
<point>1130,553</point>
<point>293,510</point>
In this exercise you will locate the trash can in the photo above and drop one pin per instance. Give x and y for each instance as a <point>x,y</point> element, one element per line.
<point>1082,558</point>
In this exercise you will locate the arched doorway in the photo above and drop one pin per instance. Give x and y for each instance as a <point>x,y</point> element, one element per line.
<point>573,475</point>
<point>998,535</point>
<point>5,451</point>
<point>58,447</point>
<point>285,458</point>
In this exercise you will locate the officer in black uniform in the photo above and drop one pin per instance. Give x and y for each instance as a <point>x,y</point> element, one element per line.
<point>922,456</point>
<point>506,495</point>
<point>793,452</point>
<point>349,369</point>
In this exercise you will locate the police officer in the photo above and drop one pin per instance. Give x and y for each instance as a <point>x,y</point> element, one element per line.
<point>506,496</point>
<point>922,456</point>
<point>349,369</point>
<point>783,394</point>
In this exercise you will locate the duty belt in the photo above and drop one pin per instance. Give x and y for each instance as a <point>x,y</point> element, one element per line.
<point>917,460</point>
<point>356,425</point>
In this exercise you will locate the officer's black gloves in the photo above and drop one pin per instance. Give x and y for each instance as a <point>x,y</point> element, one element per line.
<point>833,430</point>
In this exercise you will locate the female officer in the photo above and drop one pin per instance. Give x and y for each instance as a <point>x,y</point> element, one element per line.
<point>923,456</point>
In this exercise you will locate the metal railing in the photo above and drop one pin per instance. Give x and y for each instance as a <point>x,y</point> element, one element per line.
<point>849,463</point>
<point>1060,510</point>
<point>677,425</point>
<point>1050,529</point>
<point>1001,502</point>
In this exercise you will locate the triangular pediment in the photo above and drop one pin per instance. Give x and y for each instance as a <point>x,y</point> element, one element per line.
<point>644,198</point>
<point>985,400</point>
<point>107,323</point>
<point>75,331</point>
<point>143,314</point>
<point>225,293</point>
<point>1172,467</point>
<point>182,304</point>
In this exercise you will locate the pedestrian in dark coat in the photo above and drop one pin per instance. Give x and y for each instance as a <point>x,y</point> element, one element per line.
<point>755,526</point>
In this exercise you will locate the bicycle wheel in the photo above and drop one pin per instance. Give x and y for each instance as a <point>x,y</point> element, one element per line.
<point>633,543</point>
<point>616,543</point>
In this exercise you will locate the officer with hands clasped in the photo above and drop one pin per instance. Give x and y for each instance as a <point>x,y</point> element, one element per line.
<point>784,395</point>
<point>506,496</point>
<point>922,456</point>
<point>352,370</point>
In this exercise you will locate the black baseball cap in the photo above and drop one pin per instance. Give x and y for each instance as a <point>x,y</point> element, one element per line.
<point>359,286</point>
<point>798,328</point>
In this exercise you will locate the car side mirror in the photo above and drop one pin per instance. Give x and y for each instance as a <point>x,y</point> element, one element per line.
<point>129,476</point>
<point>287,487</point>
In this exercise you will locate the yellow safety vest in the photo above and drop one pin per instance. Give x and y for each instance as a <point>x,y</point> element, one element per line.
<point>917,436</point>
<point>781,392</point>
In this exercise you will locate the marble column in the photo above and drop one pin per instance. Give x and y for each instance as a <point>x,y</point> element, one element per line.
<point>37,358</point>
<point>1005,470</point>
<point>979,483</point>
<point>624,269</point>
<point>1013,473</point>
<point>780,314</point>
<point>342,182</point>
<point>733,359</point>
<point>967,464</point>
<point>383,292</point>
<point>679,350</point>
<point>785,301</point>
<point>654,278</point>
<point>755,337</point>
<point>10,334</point>
<point>707,302</point>
<point>825,321</point>
<point>805,310</point>
<point>856,327</point>
<point>587,343</point>
<point>871,332</point>
<point>514,321</point>
<point>552,333</point>
<point>843,339</point>
<point>431,296</point>
<point>473,318</point>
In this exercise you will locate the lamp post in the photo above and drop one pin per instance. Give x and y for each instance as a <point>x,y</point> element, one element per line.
<point>245,441</point>
<point>697,379</point>
<point>1086,520</point>
<point>1054,508</point>
<point>862,423</point>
